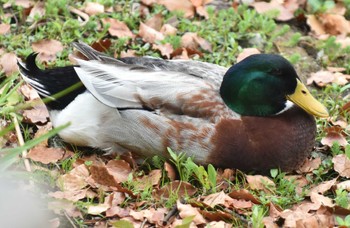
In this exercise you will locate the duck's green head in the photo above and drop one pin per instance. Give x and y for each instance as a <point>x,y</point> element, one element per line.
<point>262,85</point>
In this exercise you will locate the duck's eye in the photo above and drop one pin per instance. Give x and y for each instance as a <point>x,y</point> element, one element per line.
<point>276,72</point>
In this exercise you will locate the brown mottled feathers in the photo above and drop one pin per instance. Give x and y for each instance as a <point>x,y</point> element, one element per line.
<point>263,143</point>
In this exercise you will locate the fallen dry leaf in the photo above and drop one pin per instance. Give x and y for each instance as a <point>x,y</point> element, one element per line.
<point>128,53</point>
<point>37,11</point>
<point>149,34</point>
<point>179,5</point>
<point>155,22</point>
<point>168,30</point>
<point>321,199</point>
<point>97,209</point>
<point>47,49</point>
<point>117,211</point>
<point>309,165</point>
<point>217,216</point>
<point>45,155</point>
<point>28,92</point>
<point>8,63</point>
<point>323,78</point>
<point>324,186</point>
<point>342,165</point>
<point>75,180</point>
<point>247,52</point>
<point>202,11</point>
<point>186,210</point>
<point>165,49</point>
<point>37,115</point>
<point>171,173</point>
<point>63,205</point>
<point>219,224</point>
<point>117,28</point>
<point>154,216</point>
<point>73,196</point>
<point>344,185</point>
<point>4,28</point>
<point>149,2</point>
<point>258,182</point>
<point>285,14</point>
<point>328,23</point>
<point>93,8</point>
<point>219,198</point>
<point>244,194</point>
<point>179,187</point>
<point>334,134</point>
<point>192,41</point>
<point>100,175</point>
<point>119,169</point>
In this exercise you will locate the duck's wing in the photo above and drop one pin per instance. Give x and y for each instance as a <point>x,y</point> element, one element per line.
<point>203,70</point>
<point>128,86</point>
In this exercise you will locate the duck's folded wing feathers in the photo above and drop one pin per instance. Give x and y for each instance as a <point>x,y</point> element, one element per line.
<point>126,86</point>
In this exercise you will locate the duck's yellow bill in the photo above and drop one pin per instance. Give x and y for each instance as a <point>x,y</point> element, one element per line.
<point>303,98</point>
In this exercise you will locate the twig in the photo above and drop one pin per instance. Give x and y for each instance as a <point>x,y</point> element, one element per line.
<point>143,223</point>
<point>21,142</point>
<point>173,212</point>
<point>69,219</point>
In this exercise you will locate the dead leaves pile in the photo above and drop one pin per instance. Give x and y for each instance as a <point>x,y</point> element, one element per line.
<point>118,190</point>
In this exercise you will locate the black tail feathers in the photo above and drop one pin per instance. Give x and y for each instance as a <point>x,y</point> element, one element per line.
<point>49,82</point>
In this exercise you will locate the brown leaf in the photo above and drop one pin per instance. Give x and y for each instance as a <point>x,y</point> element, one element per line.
<point>324,186</point>
<point>192,41</point>
<point>170,171</point>
<point>28,92</point>
<point>258,182</point>
<point>201,11</point>
<point>45,155</point>
<point>165,49</point>
<point>334,24</point>
<point>179,5</point>
<point>102,45</point>
<point>155,22</point>
<point>186,210</point>
<point>128,53</point>
<point>344,185</point>
<point>73,196</point>
<point>168,30</point>
<point>154,216</point>
<point>117,28</point>
<point>4,28</point>
<point>64,205</point>
<point>47,49</point>
<point>323,78</point>
<point>181,188</point>
<point>24,3</point>
<point>8,63</point>
<point>309,165</point>
<point>219,198</point>
<point>217,216</point>
<point>334,134</point>
<point>244,194</point>
<point>315,25</point>
<point>320,199</point>
<point>119,211</point>
<point>93,8</point>
<point>37,11</point>
<point>119,169</point>
<point>38,115</point>
<point>247,52</point>
<point>149,2</point>
<point>149,34</point>
<point>342,165</point>
<point>97,209</point>
<point>100,175</point>
<point>74,180</point>
<point>264,7</point>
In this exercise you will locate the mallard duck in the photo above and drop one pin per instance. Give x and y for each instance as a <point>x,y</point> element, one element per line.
<point>254,116</point>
